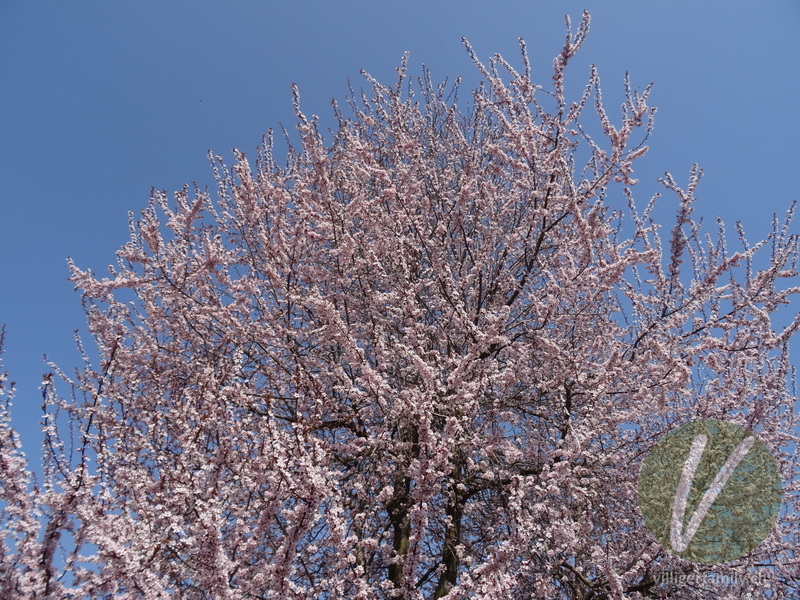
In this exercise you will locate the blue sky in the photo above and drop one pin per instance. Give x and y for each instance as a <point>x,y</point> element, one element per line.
<point>101,101</point>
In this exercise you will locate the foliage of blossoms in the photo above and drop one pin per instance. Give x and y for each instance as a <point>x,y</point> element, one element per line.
<point>423,359</point>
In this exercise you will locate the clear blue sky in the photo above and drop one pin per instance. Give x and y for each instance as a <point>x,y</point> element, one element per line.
<point>100,101</point>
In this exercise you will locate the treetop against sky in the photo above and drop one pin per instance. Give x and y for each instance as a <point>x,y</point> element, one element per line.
<point>423,352</point>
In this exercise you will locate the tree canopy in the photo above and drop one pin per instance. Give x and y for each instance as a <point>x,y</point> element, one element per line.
<point>422,358</point>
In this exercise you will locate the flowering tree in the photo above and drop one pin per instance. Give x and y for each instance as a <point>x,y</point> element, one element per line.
<point>423,359</point>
